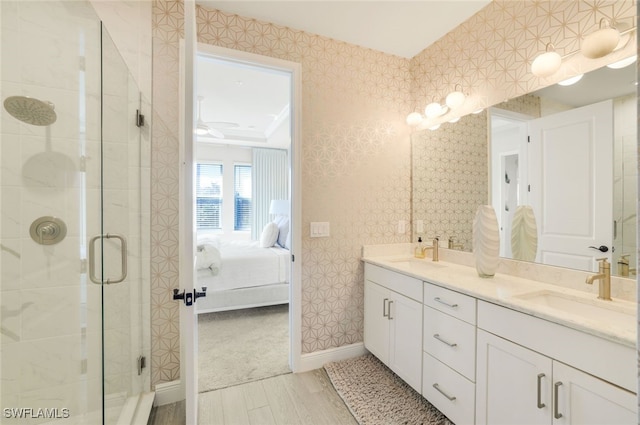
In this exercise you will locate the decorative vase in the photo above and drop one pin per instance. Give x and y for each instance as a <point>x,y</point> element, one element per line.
<point>486,241</point>
<point>524,234</point>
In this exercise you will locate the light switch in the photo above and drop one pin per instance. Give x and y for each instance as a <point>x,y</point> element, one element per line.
<point>401,227</point>
<point>319,229</point>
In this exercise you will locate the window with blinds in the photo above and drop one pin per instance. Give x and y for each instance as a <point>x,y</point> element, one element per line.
<point>209,196</point>
<point>242,190</point>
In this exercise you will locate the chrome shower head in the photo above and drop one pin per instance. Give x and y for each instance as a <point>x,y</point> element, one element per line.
<point>31,111</point>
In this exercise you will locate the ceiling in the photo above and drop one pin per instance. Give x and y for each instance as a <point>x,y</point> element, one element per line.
<point>258,100</point>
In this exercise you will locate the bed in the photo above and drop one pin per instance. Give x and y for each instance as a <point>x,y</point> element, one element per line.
<point>241,274</point>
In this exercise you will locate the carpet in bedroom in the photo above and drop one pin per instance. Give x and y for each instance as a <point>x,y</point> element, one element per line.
<point>241,346</point>
<point>375,395</point>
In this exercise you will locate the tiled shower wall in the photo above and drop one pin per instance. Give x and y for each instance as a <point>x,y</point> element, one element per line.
<point>51,313</point>
<point>356,153</point>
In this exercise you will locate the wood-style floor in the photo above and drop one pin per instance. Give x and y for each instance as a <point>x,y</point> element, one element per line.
<point>291,399</point>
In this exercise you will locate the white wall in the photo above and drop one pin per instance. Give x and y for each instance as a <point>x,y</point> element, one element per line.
<point>228,156</point>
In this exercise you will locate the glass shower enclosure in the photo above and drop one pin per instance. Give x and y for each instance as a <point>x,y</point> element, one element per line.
<point>74,221</point>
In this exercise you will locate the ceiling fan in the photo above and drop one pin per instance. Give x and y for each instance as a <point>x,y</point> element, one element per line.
<point>202,129</point>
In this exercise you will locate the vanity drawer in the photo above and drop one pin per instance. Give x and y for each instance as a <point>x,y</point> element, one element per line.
<point>451,341</point>
<point>453,303</point>
<point>402,284</point>
<point>448,391</point>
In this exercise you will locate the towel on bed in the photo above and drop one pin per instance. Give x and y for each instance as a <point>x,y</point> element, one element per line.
<point>208,257</point>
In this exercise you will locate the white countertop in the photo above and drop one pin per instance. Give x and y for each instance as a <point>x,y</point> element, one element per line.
<point>505,290</point>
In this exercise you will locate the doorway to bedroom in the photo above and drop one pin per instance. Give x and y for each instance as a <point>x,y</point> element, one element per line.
<point>243,208</point>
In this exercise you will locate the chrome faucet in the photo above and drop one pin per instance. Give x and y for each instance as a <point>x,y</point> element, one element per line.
<point>604,276</point>
<point>433,247</point>
<point>452,245</point>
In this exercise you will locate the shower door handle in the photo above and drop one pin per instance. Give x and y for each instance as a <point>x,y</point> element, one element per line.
<point>92,254</point>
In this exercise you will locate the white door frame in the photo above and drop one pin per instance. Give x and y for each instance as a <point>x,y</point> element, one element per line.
<point>295,69</point>
<point>188,331</point>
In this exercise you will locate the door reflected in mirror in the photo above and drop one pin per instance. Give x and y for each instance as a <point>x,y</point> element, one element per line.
<point>572,159</point>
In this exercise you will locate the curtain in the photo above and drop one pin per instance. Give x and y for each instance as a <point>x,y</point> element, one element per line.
<point>269,181</point>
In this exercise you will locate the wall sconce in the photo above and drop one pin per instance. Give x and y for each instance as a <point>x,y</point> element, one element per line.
<point>456,98</point>
<point>600,43</point>
<point>547,63</point>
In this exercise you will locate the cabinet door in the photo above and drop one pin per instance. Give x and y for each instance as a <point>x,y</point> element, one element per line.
<point>513,383</point>
<point>405,317</point>
<point>586,400</point>
<point>376,323</point>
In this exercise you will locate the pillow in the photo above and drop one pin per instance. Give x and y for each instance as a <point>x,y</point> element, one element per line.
<point>283,226</point>
<point>269,235</point>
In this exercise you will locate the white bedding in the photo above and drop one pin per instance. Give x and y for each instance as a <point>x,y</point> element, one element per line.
<point>245,264</point>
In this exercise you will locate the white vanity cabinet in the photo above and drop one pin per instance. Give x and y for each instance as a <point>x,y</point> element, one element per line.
<point>393,322</point>
<point>449,343</point>
<point>525,386</point>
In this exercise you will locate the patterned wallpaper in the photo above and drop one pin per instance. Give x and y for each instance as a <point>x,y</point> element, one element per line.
<point>356,147</point>
<point>355,168</point>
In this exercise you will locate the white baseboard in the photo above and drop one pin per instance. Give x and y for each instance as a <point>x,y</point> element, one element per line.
<point>171,392</point>
<point>168,392</point>
<point>318,359</point>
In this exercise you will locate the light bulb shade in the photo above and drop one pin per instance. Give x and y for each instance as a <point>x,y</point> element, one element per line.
<point>600,43</point>
<point>623,63</point>
<point>454,120</point>
<point>570,81</point>
<point>414,119</point>
<point>546,64</point>
<point>455,99</point>
<point>434,127</point>
<point>433,109</point>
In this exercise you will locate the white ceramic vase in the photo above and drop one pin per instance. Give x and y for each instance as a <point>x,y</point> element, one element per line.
<point>486,241</point>
<point>524,234</point>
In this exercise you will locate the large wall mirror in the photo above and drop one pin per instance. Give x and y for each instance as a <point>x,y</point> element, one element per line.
<point>559,166</point>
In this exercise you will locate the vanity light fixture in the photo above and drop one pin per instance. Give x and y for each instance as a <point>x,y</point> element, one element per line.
<point>478,111</point>
<point>454,120</point>
<point>547,63</point>
<point>623,63</point>
<point>434,127</point>
<point>601,42</point>
<point>571,81</point>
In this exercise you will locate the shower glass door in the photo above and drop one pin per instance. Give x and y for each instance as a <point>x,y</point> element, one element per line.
<point>119,253</point>
<point>70,171</point>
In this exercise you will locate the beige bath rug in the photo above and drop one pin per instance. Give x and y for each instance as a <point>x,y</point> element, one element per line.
<point>376,396</point>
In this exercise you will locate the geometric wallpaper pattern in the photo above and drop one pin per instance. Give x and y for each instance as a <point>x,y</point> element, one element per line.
<point>356,147</point>
<point>355,168</point>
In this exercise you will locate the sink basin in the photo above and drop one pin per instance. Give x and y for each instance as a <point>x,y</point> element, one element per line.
<point>416,264</point>
<point>615,312</point>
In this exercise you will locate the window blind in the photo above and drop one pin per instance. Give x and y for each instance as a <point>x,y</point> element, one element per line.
<point>209,196</point>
